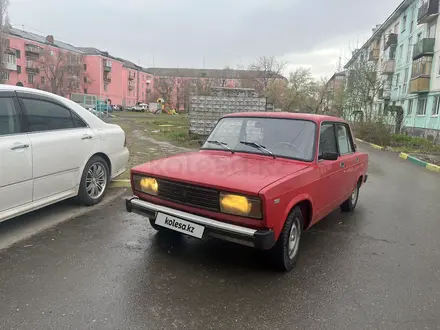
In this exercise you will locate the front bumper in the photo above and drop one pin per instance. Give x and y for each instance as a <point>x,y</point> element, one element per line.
<point>263,239</point>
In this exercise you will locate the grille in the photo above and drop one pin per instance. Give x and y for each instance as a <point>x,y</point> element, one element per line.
<point>190,195</point>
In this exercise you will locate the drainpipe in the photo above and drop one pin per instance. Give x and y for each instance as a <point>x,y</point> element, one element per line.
<point>138,81</point>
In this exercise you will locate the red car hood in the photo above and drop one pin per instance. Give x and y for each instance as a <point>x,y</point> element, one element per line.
<point>237,172</point>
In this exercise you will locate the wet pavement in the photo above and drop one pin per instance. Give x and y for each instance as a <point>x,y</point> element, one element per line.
<point>378,268</point>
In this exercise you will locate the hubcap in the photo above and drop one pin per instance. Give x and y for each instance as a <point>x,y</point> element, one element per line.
<point>294,236</point>
<point>96,180</point>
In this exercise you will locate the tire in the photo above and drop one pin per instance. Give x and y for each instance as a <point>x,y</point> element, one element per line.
<point>97,169</point>
<point>350,204</point>
<point>284,255</point>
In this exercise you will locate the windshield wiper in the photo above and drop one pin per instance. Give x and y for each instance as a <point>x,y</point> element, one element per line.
<point>222,144</point>
<point>258,146</point>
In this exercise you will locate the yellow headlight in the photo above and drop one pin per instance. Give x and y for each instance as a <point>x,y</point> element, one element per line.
<point>146,184</point>
<point>240,205</point>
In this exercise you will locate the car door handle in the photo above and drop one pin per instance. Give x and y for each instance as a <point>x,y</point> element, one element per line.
<point>20,146</point>
<point>86,137</point>
<point>342,164</point>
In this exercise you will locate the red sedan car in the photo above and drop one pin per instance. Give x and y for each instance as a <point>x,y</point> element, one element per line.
<point>260,179</point>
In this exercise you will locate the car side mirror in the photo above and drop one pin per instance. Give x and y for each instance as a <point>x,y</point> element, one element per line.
<point>329,156</point>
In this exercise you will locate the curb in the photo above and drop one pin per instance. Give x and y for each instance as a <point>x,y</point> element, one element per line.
<point>120,184</point>
<point>375,146</point>
<point>421,163</point>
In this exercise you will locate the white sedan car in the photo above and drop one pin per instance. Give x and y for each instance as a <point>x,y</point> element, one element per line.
<point>52,149</point>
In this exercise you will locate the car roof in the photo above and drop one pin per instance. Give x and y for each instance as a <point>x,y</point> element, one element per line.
<point>288,115</point>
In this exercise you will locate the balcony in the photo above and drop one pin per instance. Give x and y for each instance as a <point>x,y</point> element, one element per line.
<point>428,11</point>
<point>32,51</point>
<point>388,67</point>
<point>419,85</point>
<point>423,47</point>
<point>131,76</point>
<point>10,66</point>
<point>32,67</point>
<point>384,94</point>
<point>130,86</point>
<point>107,77</point>
<point>107,65</point>
<point>374,54</point>
<point>391,39</point>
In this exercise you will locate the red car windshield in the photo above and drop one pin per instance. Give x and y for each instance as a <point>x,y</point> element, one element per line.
<point>288,138</point>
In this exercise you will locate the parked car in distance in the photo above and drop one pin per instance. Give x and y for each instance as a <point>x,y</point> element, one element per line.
<point>52,149</point>
<point>260,179</point>
<point>140,107</point>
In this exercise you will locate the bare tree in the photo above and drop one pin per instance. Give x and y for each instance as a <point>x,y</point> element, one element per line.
<point>165,87</point>
<point>300,90</point>
<point>267,69</point>
<point>4,25</point>
<point>364,85</point>
<point>62,72</point>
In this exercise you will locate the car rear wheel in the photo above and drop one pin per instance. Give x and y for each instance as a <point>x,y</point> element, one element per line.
<point>350,204</point>
<point>285,253</point>
<point>94,181</point>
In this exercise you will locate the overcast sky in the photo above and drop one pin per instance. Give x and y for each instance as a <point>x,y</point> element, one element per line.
<point>209,33</point>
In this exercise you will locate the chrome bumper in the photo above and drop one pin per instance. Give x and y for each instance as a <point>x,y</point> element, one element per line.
<point>261,239</point>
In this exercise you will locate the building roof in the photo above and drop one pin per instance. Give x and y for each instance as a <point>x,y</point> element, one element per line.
<point>42,40</point>
<point>209,73</point>
<point>96,51</point>
<point>381,29</point>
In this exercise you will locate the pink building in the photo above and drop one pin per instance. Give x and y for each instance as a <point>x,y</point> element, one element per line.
<point>104,75</point>
<point>93,72</point>
<point>27,55</point>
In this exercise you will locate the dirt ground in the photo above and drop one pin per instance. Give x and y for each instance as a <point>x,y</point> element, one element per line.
<point>151,136</point>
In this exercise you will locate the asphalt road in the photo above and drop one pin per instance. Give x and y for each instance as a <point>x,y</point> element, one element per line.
<point>378,268</point>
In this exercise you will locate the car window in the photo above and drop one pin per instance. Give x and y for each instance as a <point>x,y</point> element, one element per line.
<point>77,121</point>
<point>289,138</point>
<point>9,118</point>
<point>344,142</point>
<point>46,116</point>
<point>327,139</point>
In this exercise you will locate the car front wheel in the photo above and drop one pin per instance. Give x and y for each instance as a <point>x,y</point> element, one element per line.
<point>94,181</point>
<point>285,253</point>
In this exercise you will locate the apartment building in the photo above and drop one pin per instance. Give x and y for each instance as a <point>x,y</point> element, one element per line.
<point>407,64</point>
<point>27,55</point>
<point>92,74</point>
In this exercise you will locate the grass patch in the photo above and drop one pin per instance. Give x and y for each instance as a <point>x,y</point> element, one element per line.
<point>409,144</point>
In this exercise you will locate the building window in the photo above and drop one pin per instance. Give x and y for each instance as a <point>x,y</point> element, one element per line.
<point>404,23</point>
<point>397,79</point>
<point>421,107</point>
<point>85,91</point>
<point>409,109</point>
<point>105,87</point>
<point>408,55</point>
<point>42,80</point>
<point>18,69</point>
<point>5,75</point>
<point>411,27</point>
<point>436,106</point>
<point>396,28</point>
<point>52,53</point>
<point>18,53</point>
<point>401,51</point>
<point>85,67</point>
<point>30,78</point>
<point>85,80</point>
